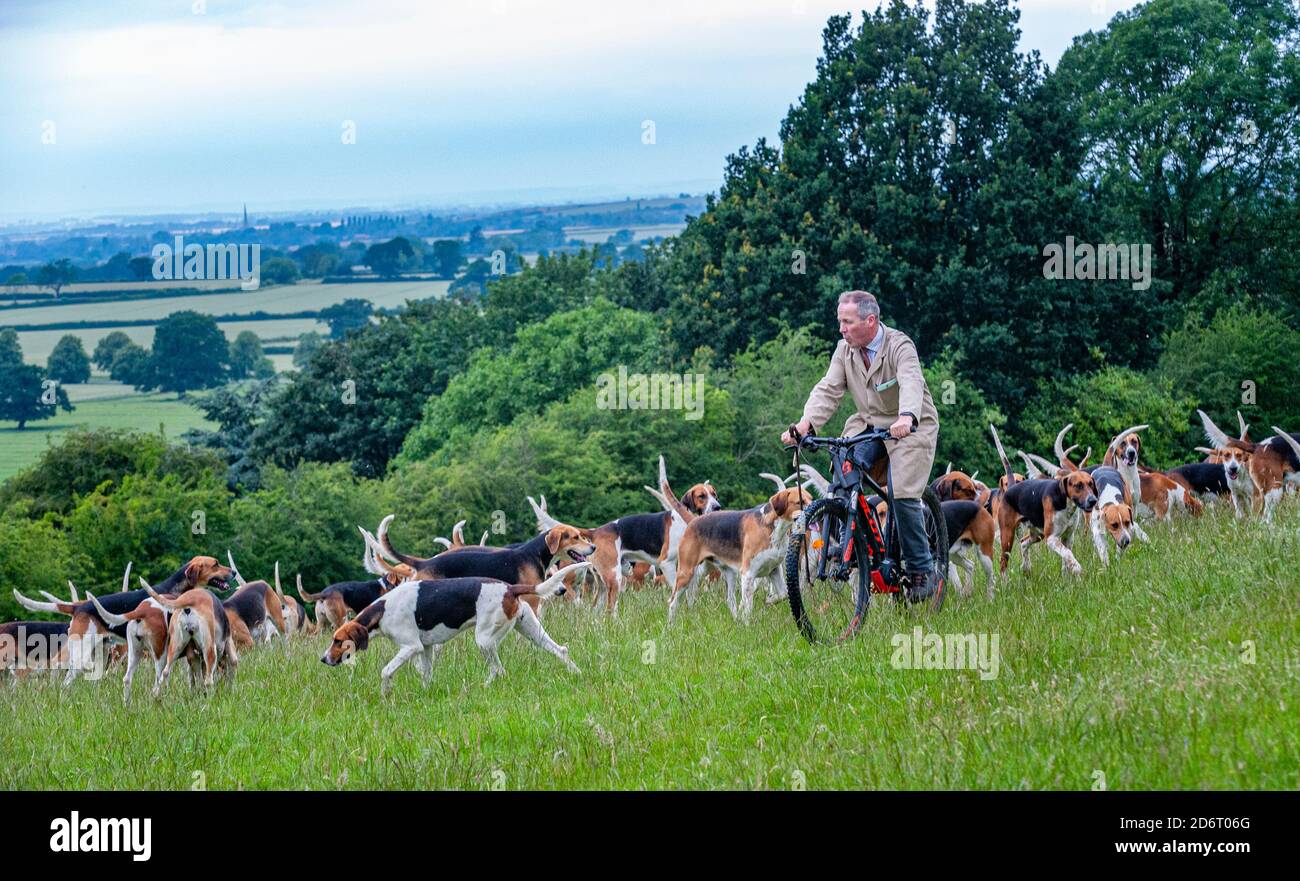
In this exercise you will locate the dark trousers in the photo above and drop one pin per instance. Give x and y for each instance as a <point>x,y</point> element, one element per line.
<point>911,535</point>
<point>910,514</point>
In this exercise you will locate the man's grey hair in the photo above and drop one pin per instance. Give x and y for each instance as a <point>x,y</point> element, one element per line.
<point>865,302</point>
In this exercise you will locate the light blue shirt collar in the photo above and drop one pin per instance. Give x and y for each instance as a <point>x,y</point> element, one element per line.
<point>873,347</point>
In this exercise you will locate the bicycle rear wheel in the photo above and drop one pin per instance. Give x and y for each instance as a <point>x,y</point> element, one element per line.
<point>936,534</point>
<point>826,609</point>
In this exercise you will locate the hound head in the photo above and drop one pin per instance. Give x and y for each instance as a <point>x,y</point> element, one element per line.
<point>701,499</point>
<point>398,573</point>
<point>787,504</point>
<point>201,571</point>
<point>348,639</point>
<point>1119,524</point>
<point>1017,478</point>
<point>1080,489</point>
<point>1234,461</point>
<point>881,506</point>
<point>1126,449</point>
<point>571,540</point>
<point>955,485</point>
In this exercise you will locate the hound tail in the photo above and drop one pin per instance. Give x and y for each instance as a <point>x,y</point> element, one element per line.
<point>308,597</point>
<point>37,606</point>
<point>555,584</point>
<point>1002,454</point>
<point>385,547</point>
<point>110,619</point>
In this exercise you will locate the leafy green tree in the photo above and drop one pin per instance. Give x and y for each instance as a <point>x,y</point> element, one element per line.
<point>318,260</point>
<point>37,555</point>
<point>56,274</point>
<point>1101,405</point>
<point>17,280</point>
<point>1188,110</point>
<point>134,366</point>
<point>357,398</point>
<point>157,523</point>
<point>393,257</point>
<point>68,361</point>
<point>279,270</point>
<point>1243,359</point>
<point>351,314</point>
<point>548,362</point>
<point>108,347</point>
<point>11,350</point>
<point>189,352</point>
<point>306,519</point>
<point>88,458</point>
<point>27,395</point>
<point>247,358</point>
<point>308,344</point>
<point>239,409</point>
<point>142,267</point>
<point>446,257</point>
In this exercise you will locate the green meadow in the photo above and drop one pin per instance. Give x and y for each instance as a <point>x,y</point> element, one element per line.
<point>1176,668</point>
<point>98,404</point>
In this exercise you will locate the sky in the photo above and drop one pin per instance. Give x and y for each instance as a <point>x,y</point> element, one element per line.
<point>146,106</point>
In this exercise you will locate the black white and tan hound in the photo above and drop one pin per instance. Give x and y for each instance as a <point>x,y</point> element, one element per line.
<point>421,616</point>
<point>750,544</point>
<point>1050,508</point>
<point>1273,464</point>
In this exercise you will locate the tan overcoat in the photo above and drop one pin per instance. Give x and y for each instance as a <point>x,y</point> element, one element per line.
<point>893,385</point>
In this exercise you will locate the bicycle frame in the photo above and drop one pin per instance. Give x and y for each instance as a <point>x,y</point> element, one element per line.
<point>863,524</point>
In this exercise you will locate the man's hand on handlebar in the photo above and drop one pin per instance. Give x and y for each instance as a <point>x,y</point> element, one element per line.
<point>794,432</point>
<point>901,428</point>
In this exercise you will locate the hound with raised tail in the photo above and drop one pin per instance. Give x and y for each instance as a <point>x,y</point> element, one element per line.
<point>1050,508</point>
<point>87,627</point>
<point>296,620</point>
<point>146,635</point>
<point>642,538</point>
<point>750,543</point>
<point>1273,465</point>
<point>199,629</point>
<point>336,603</point>
<point>254,611</point>
<point>421,616</point>
<point>526,563</point>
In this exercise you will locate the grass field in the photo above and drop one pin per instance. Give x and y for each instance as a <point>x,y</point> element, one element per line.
<point>38,344</point>
<point>1137,673</point>
<point>18,449</point>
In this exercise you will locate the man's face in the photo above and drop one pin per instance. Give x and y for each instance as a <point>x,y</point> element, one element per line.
<point>857,331</point>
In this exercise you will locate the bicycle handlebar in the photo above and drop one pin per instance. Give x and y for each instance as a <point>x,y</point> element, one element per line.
<point>812,442</point>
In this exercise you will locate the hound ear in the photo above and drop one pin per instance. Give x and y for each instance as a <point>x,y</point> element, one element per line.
<point>359,636</point>
<point>553,540</point>
<point>191,570</point>
<point>779,503</point>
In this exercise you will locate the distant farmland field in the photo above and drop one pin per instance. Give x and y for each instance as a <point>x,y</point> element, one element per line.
<point>145,413</point>
<point>37,344</point>
<point>598,235</point>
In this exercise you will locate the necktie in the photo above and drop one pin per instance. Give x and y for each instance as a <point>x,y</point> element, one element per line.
<point>866,357</point>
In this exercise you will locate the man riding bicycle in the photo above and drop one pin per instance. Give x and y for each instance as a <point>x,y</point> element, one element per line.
<point>881,370</point>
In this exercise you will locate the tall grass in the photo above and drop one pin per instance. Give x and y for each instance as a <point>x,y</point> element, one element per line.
<point>1138,677</point>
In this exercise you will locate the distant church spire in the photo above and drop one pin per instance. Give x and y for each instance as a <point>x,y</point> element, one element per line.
<point>245,215</point>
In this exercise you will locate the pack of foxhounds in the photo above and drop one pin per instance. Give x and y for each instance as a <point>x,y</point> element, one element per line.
<point>421,603</point>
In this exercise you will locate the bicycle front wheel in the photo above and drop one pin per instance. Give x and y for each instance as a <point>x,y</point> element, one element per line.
<point>825,609</point>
